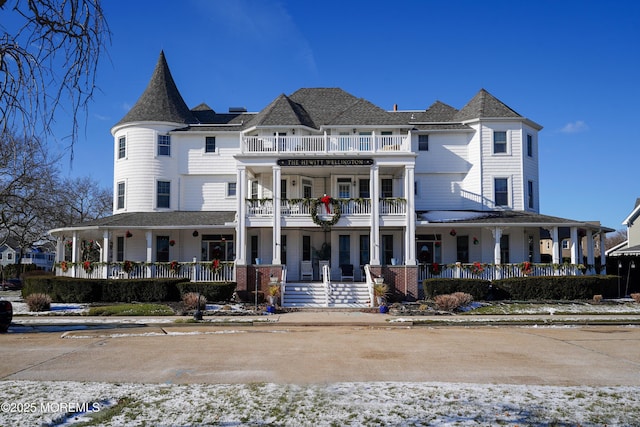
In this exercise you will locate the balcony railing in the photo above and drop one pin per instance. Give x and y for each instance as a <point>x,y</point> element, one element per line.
<point>326,144</point>
<point>195,272</point>
<point>302,207</point>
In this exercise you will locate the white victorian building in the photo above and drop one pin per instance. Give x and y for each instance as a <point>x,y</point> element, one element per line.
<point>321,177</point>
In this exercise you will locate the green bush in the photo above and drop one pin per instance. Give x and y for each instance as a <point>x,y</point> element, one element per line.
<point>478,288</point>
<point>68,289</point>
<point>63,289</point>
<point>213,291</point>
<point>141,290</point>
<point>557,287</point>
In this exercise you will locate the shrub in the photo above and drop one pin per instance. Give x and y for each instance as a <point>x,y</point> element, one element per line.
<point>213,291</point>
<point>38,302</point>
<point>597,299</point>
<point>190,300</point>
<point>452,302</point>
<point>636,297</point>
<point>557,287</point>
<point>478,288</point>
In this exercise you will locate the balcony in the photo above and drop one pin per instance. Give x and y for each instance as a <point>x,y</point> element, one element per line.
<point>304,207</point>
<point>329,144</point>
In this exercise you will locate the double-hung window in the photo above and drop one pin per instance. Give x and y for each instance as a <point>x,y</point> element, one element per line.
<point>231,189</point>
<point>501,189</point>
<point>122,147</point>
<point>386,188</point>
<point>423,142</point>
<point>499,142</point>
<point>164,145</point>
<point>120,204</point>
<point>210,144</point>
<point>164,194</point>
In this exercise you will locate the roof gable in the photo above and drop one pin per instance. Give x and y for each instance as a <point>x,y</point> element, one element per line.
<point>485,105</point>
<point>161,101</point>
<point>282,111</point>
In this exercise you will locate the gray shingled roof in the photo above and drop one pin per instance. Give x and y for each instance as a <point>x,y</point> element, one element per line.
<point>485,105</point>
<point>282,111</point>
<point>161,101</point>
<point>162,219</point>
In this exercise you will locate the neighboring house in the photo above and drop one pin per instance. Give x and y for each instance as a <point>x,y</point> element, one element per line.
<point>321,172</point>
<point>42,256</point>
<point>626,255</point>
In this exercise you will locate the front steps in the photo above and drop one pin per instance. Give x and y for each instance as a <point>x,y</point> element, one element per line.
<point>312,295</point>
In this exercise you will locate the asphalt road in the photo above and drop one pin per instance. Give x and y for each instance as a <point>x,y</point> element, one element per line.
<point>564,356</point>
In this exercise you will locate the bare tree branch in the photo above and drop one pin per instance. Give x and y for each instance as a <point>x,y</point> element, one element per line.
<point>48,62</point>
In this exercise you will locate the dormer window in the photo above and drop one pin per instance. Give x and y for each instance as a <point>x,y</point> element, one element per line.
<point>164,145</point>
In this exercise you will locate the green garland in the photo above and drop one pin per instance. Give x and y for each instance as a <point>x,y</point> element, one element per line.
<point>328,223</point>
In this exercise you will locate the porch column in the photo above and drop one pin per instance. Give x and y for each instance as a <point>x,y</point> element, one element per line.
<point>59,249</point>
<point>275,248</point>
<point>497,253</point>
<point>241,220</point>
<point>410,233</point>
<point>74,253</point>
<point>375,215</point>
<point>148,236</point>
<point>105,254</point>
<point>603,258</point>
<point>555,256</point>
<point>575,255</point>
<point>591,261</point>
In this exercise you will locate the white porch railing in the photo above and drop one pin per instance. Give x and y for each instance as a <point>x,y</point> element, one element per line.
<point>195,272</point>
<point>369,280</point>
<point>326,282</point>
<point>494,272</point>
<point>326,144</point>
<point>302,207</point>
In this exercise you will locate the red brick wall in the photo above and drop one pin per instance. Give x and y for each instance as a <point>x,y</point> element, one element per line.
<point>403,280</point>
<point>246,278</point>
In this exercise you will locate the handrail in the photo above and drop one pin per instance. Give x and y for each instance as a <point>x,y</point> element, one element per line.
<point>369,280</point>
<point>283,283</point>
<point>326,281</point>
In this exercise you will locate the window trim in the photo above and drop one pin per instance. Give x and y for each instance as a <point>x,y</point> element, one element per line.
<point>495,192</point>
<point>235,190</point>
<point>164,141</point>
<point>122,147</point>
<point>206,145</point>
<point>506,142</point>
<point>121,196</point>
<point>158,194</point>
<point>426,136</point>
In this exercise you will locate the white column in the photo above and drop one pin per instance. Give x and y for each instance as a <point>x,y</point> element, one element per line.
<point>241,219</point>
<point>575,253</point>
<point>105,254</point>
<point>74,253</point>
<point>603,258</point>
<point>591,260</point>
<point>375,215</point>
<point>59,248</point>
<point>410,233</point>
<point>497,255</point>
<point>148,236</point>
<point>555,256</point>
<point>276,215</point>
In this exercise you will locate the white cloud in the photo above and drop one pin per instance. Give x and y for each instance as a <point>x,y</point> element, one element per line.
<point>575,127</point>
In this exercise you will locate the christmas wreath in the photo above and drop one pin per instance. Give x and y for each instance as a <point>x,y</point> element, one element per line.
<point>477,268</point>
<point>434,269</point>
<point>327,201</point>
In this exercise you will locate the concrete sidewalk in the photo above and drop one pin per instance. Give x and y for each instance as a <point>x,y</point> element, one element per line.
<point>337,318</point>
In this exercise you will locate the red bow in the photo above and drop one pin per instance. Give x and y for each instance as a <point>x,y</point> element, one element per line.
<point>326,200</point>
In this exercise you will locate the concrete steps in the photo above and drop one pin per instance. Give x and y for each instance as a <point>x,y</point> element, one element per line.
<point>341,295</point>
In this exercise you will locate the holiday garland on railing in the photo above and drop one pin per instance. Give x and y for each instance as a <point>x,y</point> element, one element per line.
<point>327,201</point>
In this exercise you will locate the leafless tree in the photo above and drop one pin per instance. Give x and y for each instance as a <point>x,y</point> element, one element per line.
<point>26,174</point>
<point>615,238</point>
<point>79,200</point>
<point>49,51</point>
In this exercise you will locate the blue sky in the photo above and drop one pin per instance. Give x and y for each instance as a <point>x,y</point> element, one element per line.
<point>571,66</point>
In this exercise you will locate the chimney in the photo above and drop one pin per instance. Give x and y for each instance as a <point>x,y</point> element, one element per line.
<point>395,107</point>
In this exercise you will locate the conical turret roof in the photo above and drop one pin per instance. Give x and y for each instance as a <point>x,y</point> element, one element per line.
<point>161,101</point>
<point>485,105</point>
